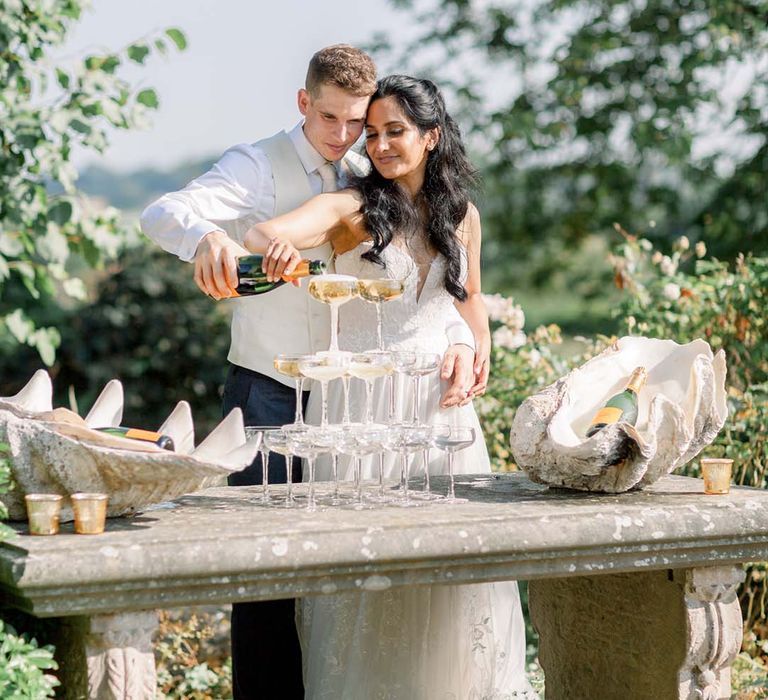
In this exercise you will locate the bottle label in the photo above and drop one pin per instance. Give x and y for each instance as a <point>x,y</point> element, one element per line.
<point>137,434</point>
<point>607,415</point>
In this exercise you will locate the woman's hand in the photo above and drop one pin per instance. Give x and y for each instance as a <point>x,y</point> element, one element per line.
<point>481,369</point>
<point>280,259</point>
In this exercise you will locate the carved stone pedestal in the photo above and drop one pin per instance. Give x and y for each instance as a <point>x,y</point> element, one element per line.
<point>654,635</point>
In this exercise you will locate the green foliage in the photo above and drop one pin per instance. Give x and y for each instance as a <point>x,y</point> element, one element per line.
<point>749,679</point>
<point>588,113</point>
<point>47,230</point>
<point>181,644</point>
<point>22,667</point>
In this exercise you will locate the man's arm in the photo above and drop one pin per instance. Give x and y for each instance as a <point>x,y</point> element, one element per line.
<point>199,222</point>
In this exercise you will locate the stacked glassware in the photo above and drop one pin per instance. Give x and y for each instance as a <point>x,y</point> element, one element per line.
<point>406,436</point>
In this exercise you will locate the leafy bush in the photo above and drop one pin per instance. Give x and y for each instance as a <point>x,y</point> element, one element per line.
<point>47,107</point>
<point>727,305</point>
<point>183,640</point>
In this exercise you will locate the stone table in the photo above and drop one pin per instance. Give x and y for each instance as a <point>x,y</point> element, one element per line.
<point>633,595</point>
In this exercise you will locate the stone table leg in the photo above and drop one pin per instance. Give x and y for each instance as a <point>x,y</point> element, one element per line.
<point>648,635</point>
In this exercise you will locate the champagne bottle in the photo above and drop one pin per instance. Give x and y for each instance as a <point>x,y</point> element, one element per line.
<point>621,407</point>
<point>251,280</point>
<point>163,441</point>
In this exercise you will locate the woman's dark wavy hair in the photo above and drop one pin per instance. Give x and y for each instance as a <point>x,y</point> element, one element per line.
<point>442,203</point>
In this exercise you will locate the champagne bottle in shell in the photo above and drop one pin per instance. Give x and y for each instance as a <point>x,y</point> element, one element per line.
<point>621,406</point>
<point>163,441</point>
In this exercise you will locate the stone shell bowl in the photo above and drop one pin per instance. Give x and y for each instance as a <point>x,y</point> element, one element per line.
<point>681,409</point>
<point>58,452</point>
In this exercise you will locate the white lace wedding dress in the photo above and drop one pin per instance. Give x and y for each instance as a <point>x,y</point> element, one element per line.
<point>436,642</point>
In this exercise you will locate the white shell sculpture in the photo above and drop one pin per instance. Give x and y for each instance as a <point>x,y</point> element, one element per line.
<point>681,410</point>
<point>56,451</point>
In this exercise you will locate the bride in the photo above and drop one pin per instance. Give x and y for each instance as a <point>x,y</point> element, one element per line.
<point>411,214</point>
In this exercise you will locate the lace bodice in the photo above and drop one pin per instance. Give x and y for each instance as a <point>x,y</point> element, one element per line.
<point>415,321</point>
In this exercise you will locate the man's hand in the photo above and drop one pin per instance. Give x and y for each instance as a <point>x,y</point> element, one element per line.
<point>458,370</point>
<point>216,264</point>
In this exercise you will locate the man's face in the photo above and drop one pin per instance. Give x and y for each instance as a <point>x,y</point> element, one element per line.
<point>333,119</point>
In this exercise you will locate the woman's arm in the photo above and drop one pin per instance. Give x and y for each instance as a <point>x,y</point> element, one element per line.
<point>473,308</point>
<point>315,222</point>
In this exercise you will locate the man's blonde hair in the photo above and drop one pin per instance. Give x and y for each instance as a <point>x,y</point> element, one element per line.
<point>344,66</point>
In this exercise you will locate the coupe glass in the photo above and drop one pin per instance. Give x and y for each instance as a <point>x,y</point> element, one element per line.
<point>369,366</point>
<point>407,440</point>
<point>452,439</point>
<point>433,431</point>
<point>279,441</point>
<point>328,438</point>
<point>358,442</point>
<point>256,432</point>
<point>402,361</point>
<point>307,446</point>
<point>424,364</point>
<point>377,291</point>
<point>333,290</point>
<point>288,365</point>
<point>324,367</point>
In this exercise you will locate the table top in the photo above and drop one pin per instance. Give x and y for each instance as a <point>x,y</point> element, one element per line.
<point>221,545</point>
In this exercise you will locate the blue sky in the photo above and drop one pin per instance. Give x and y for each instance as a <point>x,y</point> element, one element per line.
<point>238,78</point>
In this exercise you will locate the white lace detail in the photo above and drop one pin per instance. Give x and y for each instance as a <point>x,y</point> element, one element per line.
<point>415,643</point>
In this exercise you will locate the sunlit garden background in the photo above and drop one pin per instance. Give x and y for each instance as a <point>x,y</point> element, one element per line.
<point>623,147</point>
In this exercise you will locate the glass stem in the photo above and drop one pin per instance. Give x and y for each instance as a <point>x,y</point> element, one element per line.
<point>299,418</point>
<point>379,339</point>
<point>289,479</point>
<point>416,399</point>
<point>368,402</point>
<point>359,478</point>
<point>311,493</point>
<point>425,458</point>
<point>265,475</point>
<point>324,395</point>
<point>391,416</point>
<point>404,475</point>
<point>334,328</point>
<point>451,491</point>
<point>345,381</point>
<point>381,475</point>
<point>335,473</point>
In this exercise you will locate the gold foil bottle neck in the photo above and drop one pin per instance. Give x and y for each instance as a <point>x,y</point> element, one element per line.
<point>637,379</point>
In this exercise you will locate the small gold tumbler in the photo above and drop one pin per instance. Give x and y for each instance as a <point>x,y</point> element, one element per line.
<point>716,474</point>
<point>43,512</point>
<point>90,512</point>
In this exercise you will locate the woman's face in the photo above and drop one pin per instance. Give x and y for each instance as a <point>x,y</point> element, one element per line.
<point>394,143</point>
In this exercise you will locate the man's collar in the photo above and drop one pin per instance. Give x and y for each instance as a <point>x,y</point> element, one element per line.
<point>309,157</point>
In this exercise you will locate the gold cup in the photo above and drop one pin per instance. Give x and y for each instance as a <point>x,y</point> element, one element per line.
<point>716,473</point>
<point>90,512</point>
<point>43,512</point>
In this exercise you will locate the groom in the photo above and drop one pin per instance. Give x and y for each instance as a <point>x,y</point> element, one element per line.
<point>205,223</point>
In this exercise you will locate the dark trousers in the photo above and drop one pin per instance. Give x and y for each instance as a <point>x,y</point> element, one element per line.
<point>266,657</point>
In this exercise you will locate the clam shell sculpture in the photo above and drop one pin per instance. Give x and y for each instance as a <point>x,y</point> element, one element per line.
<point>681,409</point>
<point>57,451</point>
